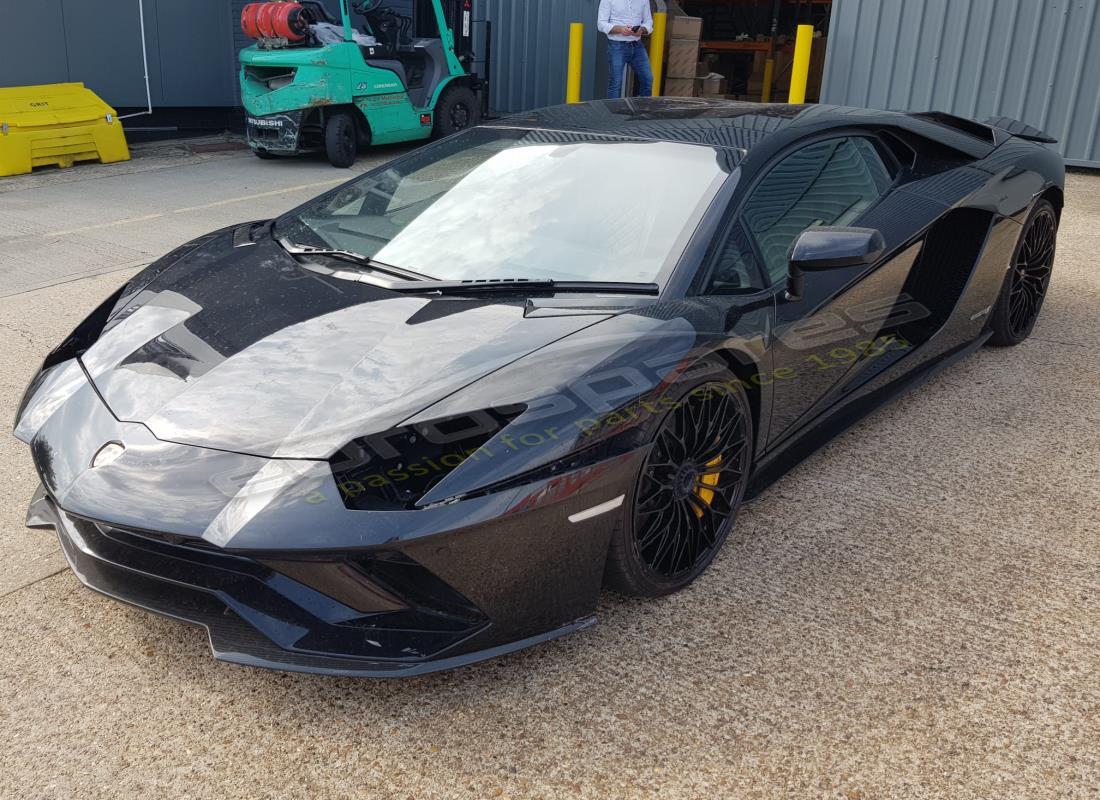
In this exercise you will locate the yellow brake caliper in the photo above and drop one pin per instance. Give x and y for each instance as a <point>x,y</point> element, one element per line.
<point>709,479</point>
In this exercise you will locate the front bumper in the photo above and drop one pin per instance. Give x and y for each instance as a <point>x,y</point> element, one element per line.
<point>265,556</point>
<point>241,608</point>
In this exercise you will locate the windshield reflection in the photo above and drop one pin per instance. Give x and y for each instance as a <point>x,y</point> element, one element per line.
<point>509,204</point>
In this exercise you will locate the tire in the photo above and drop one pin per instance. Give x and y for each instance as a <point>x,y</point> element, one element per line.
<point>341,139</point>
<point>456,111</point>
<point>685,498</point>
<point>1025,287</point>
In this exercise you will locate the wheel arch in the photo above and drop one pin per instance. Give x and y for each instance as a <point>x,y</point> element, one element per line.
<point>747,370</point>
<point>467,81</point>
<point>622,570</point>
<point>316,117</point>
<point>362,124</point>
<point>1056,197</point>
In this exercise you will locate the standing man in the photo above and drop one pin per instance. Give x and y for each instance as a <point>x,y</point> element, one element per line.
<point>625,22</point>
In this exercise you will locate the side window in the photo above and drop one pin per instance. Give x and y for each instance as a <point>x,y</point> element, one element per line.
<point>734,269</point>
<point>826,183</point>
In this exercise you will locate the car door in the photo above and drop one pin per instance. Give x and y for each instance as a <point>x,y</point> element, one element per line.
<point>739,307</point>
<point>838,320</point>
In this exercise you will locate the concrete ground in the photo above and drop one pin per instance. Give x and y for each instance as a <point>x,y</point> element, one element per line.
<point>913,612</point>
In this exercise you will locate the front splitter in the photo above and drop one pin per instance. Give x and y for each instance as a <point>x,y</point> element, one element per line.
<point>231,638</point>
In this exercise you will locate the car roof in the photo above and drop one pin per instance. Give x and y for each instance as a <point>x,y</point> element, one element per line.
<point>730,124</point>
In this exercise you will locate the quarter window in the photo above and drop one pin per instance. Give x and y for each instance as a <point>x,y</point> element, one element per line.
<point>832,182</point>
<point>734,270</point>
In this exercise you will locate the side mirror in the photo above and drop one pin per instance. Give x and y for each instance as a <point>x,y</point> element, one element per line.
<point>830,248</point>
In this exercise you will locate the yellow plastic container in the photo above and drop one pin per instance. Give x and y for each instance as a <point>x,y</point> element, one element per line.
<point>57,123</point>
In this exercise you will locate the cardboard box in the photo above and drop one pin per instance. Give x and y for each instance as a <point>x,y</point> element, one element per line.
<point>714,84</point>
<point>685,27</point>
<point>683,58</point>
<point>682,87</point>
<point>755,83</point>
<point>689,28</point>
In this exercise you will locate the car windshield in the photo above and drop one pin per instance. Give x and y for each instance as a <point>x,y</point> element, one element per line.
<point>522,204</point>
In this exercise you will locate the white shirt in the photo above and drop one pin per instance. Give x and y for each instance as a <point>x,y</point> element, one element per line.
<point>624,12</point>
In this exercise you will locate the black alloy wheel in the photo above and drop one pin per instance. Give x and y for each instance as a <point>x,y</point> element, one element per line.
<point>686,496</point>
<point>1026,284</point>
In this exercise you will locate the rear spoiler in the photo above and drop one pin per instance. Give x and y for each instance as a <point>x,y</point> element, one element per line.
<point>1020,130</point>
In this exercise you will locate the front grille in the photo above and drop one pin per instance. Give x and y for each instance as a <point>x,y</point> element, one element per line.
<point>401,611</point>
<point>172,539</point>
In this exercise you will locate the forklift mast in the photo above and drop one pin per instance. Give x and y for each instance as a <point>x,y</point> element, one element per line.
<point>459,15</point>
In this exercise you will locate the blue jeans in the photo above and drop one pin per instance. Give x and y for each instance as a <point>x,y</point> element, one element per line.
<point>629,54</point>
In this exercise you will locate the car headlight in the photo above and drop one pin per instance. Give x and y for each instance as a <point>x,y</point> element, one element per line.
<point>74,345</point>
<point>394,469</point>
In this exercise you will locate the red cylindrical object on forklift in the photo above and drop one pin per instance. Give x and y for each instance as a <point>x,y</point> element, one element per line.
<point>274,20</point>
<point>249,15</point>
<point>291,21</point>
<point>265,19</point>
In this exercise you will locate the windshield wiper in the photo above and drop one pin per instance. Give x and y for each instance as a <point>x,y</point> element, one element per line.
<point>355,258</point>
<point>525,285</point>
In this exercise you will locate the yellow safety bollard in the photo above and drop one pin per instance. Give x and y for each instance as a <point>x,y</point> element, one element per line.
<point>769,72</point>
<point>800,69</point>
<point>657,50</point>
<point>576,63</point>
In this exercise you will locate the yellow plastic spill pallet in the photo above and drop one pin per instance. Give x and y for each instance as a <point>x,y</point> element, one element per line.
<point>57,123</point>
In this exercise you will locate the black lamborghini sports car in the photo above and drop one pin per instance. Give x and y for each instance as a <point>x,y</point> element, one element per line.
<point>423,419</point>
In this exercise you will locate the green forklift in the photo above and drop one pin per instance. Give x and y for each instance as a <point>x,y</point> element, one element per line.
<point>312,82</point>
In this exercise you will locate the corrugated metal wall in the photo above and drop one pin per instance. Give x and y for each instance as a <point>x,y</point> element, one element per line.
<point>191,58</point>
<point>531,47</point>
<point>1033,60</point>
